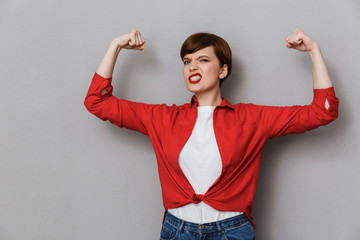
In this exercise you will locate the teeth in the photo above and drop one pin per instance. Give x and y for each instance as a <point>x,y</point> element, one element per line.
<point>194,78</point>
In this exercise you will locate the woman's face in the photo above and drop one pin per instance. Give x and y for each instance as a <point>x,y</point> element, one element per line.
<point>202,71</point>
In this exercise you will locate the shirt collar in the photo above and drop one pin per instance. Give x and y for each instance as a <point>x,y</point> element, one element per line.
<point>224,103</point>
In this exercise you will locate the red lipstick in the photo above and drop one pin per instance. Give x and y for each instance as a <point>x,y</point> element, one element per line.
<point>196,79</point>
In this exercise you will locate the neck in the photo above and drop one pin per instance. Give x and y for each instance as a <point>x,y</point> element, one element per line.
<point>208,99</point>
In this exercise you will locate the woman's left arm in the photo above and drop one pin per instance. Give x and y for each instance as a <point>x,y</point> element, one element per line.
<point>300,41</point>
<point>280,121</point>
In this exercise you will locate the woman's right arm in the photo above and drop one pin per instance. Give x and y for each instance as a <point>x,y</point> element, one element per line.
<point>99,99</point>
<point>131,40</point>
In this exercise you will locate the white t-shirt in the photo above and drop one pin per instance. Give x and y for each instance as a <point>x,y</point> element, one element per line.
<point>201,163</point>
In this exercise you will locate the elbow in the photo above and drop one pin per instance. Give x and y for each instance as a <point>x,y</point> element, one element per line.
<point>89,105</point>
<point>331,119</point>
<point>324,118</point>
<point>331,116</point>
<point>334,116</point>
<point>334,111</point>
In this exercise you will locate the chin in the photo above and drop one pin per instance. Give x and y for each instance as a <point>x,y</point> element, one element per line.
<point>193,89</point>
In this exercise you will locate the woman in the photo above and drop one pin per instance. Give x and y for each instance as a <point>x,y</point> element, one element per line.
<point>208,151</point>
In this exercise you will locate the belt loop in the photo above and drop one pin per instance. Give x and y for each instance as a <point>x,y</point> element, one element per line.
<point>181,226</point>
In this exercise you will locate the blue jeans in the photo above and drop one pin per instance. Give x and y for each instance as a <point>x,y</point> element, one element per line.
<point>234,228</point>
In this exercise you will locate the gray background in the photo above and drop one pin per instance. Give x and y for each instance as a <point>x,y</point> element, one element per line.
<point>64,174</point>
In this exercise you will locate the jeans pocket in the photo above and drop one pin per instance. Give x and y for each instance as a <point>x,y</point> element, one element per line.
<point>241,232</point>
<point>168,232</point>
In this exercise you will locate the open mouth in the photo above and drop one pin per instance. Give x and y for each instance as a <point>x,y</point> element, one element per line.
<point>195,78</point>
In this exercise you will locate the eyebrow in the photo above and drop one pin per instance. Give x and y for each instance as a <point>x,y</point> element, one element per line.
<point>202,56</point>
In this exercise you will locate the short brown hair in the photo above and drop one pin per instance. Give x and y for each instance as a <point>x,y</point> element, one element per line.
<point>198,41</point>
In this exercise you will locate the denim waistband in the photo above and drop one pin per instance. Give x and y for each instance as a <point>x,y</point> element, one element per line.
<point>205,227</point>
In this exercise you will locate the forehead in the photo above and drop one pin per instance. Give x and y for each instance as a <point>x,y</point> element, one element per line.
<point>207,51</point>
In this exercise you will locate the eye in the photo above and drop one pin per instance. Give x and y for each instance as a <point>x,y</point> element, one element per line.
<point>204,60</point>
<point>186,62</point>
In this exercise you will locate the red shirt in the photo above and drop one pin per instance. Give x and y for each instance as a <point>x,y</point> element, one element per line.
<point>241,131</point>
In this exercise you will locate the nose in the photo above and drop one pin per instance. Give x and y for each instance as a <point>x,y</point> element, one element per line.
<point>193,66</point>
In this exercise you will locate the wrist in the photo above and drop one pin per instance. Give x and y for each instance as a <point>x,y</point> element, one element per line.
<point>115,45</point>
<point>315,50</point>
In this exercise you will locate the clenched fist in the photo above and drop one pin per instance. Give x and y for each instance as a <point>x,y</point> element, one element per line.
<point>300,41</point>
<point>131,40</point>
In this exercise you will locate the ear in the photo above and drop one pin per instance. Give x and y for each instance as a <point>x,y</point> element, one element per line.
<point>223,72</point>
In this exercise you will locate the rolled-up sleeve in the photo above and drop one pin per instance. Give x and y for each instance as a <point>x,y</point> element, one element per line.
<point>280,121</point>
<point>121,112</point>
